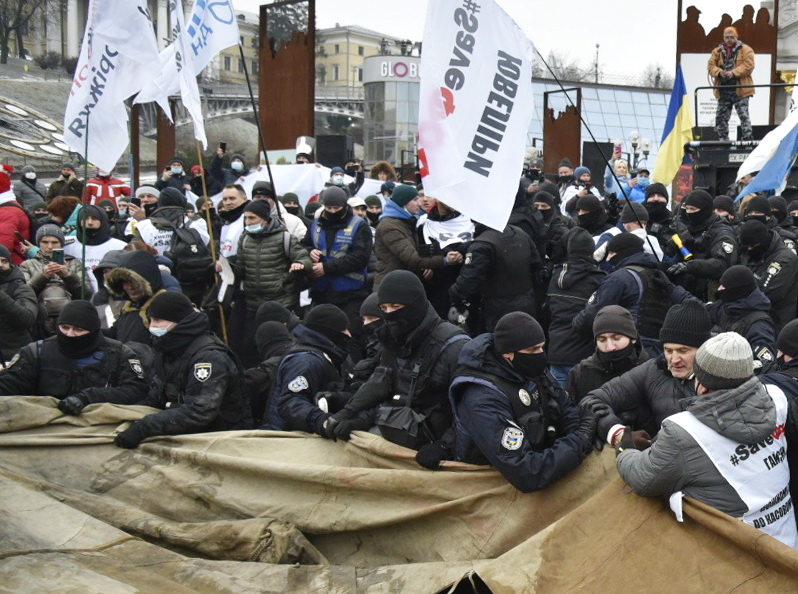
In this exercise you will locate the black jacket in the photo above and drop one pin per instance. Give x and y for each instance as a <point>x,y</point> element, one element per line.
<point>748,317</point>
<point>591,373</point>
<point>488,429</point>
<point>18,311</point>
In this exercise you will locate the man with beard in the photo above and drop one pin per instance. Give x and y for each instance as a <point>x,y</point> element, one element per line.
<point>198,381</point>
<point>710,240</point>
<point>93,224</point>
<point>78,365</point>
<point>312,365</point>
<point>406,396</point>
<point>18,308</point>
<point>618,349</point>
<point>339,243</point>
<point>510,412</point>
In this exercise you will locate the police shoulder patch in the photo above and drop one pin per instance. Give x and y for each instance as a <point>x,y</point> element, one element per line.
<point>135,365</point>
<point>728,247</point>
<point>298,384</point>
<point>468,258</point>
<point>202,371</point>
<point>524,396</point>
<point>512,438</point>
<point>774,268</point>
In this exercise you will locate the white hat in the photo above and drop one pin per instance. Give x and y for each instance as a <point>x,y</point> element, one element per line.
<point>356,201</point>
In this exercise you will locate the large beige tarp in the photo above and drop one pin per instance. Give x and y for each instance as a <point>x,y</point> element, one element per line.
<point>284,512</point>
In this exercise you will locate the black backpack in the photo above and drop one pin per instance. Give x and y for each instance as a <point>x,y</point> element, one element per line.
<point>193,264</point>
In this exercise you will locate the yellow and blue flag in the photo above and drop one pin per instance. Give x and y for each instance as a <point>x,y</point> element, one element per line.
<point>678,131</point>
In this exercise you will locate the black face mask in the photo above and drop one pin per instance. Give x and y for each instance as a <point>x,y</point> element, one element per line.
<point>77,347</point>
<point>403,321</point>
<point>565,179</point>
<point>335,217</point>
<point>696,218</point>
<point>618,361</point>
<point>547,214</point>
<point>150,208</point>
<point>758,252</point>
<point>530,365</point>
<point>371,330</point>
<point>351,170</point>
<point>761,218</point>
<point>374,217</point>
<point>657,211</point>
<point>589,219</point>
<point>294,210</point>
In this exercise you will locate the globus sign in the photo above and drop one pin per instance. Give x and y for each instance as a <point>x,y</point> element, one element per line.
<point>395,68</point>
<point>399,69</point>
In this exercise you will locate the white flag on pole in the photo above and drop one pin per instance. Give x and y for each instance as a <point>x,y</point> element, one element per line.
<point>118,57</point>
<point>475,107</point>
<point>184,62</point>
<point>211,27</point>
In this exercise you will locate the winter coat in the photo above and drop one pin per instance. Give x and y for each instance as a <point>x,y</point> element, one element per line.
<point>396,245</point>
<point>642,397</point>
<point>485,420</point>
<point>743,68</point>
<point>261,266</point>
<point>226,176</point>
<point>570,287</point>
<point>676,462</point>
<point>62,187</point>
<point>139,269</point>
<point>776,274</point>
<point>18,311</point>
<point>100,188</point>
<point>761,334</point>
<point>29,192</point>
<point>13,218</point>
<point>591,373</point>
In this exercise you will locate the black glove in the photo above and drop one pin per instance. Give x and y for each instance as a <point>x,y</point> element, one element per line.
<point>130,438</point>
<point>641,439</point>
<point>588,424</point>
<point>627,441</point>
<point>685,236</point>
<point>431,454</point>
<point>73,405</point>
<point>332,402</point>
<point>541,277</point>
<point>320,427</point>
<point>678,268</point>
<point>343,429</point>
<point>457,316</point>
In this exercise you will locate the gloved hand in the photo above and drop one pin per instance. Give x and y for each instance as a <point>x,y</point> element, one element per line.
<point>458,315</point>
<point>678,268</point>
<point>130,438</point>
<point>541,277</point>
<point>641,439</point>
<point>321,427</point>
<point>685,236</point>
<point>343,429</point>
<point>431,454</point>
<point>332,402</point>
<point>588,424</point>
<point>73,405</point>
<point>626,442</point>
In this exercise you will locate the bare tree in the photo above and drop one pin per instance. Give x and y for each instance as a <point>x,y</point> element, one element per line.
<point>563,67</point>
<point>15,15</point>
<point>654,75</point>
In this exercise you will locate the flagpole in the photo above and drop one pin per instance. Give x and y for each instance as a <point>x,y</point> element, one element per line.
<point>82,205</point>
<point>210,233</point>
<point>257,123</point>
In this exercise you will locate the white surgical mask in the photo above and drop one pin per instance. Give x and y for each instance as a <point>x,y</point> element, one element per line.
<point>158,332</point>
<point>30,175</point>
<point>177,171</point>
<point>257,228</point>
<point>236,166</point>
<point>338,180</point>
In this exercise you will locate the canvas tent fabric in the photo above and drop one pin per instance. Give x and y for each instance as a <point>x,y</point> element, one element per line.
<point>255,511</point>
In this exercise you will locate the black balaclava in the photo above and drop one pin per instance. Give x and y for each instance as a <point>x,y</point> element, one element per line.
<point>94,236</point>
<point>370,307</point>
<point>329,321</point>
<point>402,286</point>
<point>758,204</point>
<point>701,200</point>
<point>517,331</point>
<point>596,215</point>
<point>624,245</point>
<point>738,282</point>
<point>755,233</point>
<point>80,314</point>
<point>272,338</point>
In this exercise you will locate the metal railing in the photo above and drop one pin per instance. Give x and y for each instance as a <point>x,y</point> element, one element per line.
<point>713,87</point>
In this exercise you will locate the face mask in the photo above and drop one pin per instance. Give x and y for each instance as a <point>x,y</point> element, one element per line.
<point>403,321</point>
<point>352,170</point>
<point>122,212</point>
<point>761,218</point>
<point>615,361</point>
<point>758,252</point>
<point>254,228</point>
<point>565,179</point>
<point>586,220</point>
<point>150,208</point>
<point>657,211</point>
<point>335,217</point>
<point>294,210</point>
<point>374,217</point>
<point>338,180</point>
<point>158,332</point>
<point>30,175</point>
<point>547,214</point>
<point>77,347</point>
<point>371,330</point>
<point>236,166</point>
<point>177,171</point>
<point>643,182</point>
<point>696,218</point>
<point>530,364</point>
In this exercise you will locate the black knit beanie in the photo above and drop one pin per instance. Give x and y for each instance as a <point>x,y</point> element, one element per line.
<point>259,208</point>
<point>328,320</point>
<point>80,314</point>
<point>333,196</point>
<point>271,336</point>
<point>787,341</point>
<point>589,203</point>
<point>401,286</point>
<point>687,323</point>
<point>753,233</point>
<point>371,307</point>
<point>634,212</point>
<point>263,188</point>
<point>778,206</point>
<point>737,282</point>
<point>171,197</point>
<point>171,306</point>
<point>545,197</point>
<point>758,204</point>
<point>551,189</point>
<point>580,242</point>
<point>656,188</point>
<point>516,331</point>
<point>724,203</point>
<point>272,311</point>
<point>700,199</point>
<point>792,206</point>
<point>614,319</point>
<point>624,245</point>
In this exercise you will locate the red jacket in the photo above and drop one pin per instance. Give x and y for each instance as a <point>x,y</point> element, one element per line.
<point>98,188</point>
<point>13,218</point>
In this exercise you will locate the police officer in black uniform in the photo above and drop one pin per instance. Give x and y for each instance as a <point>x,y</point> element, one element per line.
<point>313,365</point>
<point>660,219</point>
<point>511,413</point>
<point>198,381</point>
<point>78,365</point>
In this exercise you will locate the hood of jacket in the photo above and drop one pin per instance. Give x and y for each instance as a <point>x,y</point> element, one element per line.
<point>393,211</point>
<point>94,236</point>
<point>756,301</point>
<point>575,271</point>
<point>643,259</point>
<point>745,414</point>
<point>138,268</point>
<point>311,338</point>
<point>480,355</point>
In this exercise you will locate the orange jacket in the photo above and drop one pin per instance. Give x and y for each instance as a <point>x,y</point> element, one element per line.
<point>743,67</point>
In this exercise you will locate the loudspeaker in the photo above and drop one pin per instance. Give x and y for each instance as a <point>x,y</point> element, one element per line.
<point>334,150</point>
<point>758,132</point>
<point>593,157</point>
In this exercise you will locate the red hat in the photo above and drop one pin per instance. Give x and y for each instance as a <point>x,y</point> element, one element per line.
<point>196,169</point>
<point>5,177</point>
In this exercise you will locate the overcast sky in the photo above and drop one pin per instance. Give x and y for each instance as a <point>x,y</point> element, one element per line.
<point>630,37</point>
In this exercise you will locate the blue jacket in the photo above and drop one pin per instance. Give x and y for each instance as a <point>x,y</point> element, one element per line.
<point>761,334</point>
<point>484,419</point>
<point>303,373</point>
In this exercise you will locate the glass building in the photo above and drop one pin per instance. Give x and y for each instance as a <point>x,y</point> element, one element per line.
<point>391,90</point>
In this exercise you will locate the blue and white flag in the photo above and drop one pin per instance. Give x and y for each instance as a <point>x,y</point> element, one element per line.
<point>775,170</point>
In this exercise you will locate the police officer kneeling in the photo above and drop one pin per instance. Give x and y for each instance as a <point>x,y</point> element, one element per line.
<point>199,382</point>
<point>78,365</point>
<point>511,413</point>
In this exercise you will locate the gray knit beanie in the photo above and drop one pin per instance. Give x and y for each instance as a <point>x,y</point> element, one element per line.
<point>50,230</point>
<point>614,319</point>
<point>724,362</point>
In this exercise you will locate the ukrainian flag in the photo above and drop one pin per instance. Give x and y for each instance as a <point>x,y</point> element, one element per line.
<point>678,131</point>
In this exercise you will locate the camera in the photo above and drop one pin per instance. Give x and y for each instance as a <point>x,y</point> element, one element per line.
<point>58,256</point>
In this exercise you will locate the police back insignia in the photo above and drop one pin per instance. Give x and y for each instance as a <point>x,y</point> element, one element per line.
<point>298,384</point>
<point>202,371</point>
<point>135,365</point>
<point>524,396</point>
<point>512,438</point>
